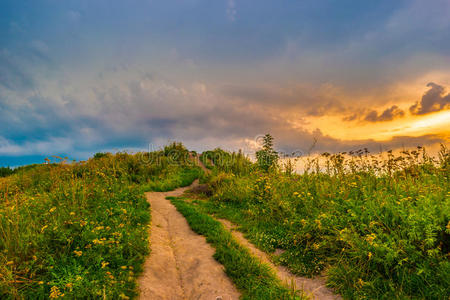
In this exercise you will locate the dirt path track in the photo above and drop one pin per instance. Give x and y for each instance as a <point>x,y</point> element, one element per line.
<point>315,288</point>
<point>180,265</point>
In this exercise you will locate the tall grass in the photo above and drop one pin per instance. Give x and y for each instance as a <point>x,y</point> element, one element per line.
<point>80,230</point>
<point>379,228</point>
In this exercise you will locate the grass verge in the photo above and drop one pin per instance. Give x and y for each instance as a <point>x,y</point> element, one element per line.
<point>254,279</point>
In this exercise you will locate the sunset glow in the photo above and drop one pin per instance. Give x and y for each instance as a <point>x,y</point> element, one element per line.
<point>74,81</point>
<point>436,123</point>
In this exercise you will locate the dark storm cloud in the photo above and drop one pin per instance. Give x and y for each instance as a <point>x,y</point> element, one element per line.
<point>298,57</point>
<point>389,114</point>
<point>146,110</point>
<point>433,100</point>
<point>311,101</point>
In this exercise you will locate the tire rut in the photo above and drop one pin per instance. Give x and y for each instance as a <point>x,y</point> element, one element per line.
<point>181,263</point>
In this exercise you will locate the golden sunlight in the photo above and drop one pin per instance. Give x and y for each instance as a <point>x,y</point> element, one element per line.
<point>412,125</point>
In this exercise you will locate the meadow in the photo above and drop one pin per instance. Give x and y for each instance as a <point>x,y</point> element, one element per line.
<point>375,227</point>
<point>80,230</point>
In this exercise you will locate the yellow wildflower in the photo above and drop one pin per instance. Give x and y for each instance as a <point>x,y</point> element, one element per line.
<point>370,238</point>
<point>361,282</point>
<point>104,264</point>
<point>78,253</point>
<point>55,293</point>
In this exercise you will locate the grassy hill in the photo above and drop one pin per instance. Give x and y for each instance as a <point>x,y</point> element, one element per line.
<point>375,227</point>
<point>80,229</point>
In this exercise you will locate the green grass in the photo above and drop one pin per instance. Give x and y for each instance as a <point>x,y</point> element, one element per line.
<point>254,279</point>
<point>183,178</point>
<point>379,229</point>
<point>80,230</point>
<point>6,171</point>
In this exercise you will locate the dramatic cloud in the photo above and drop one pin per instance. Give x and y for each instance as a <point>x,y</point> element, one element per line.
<point>214,73</point>
<point>387,115</point>
<point>433,100</point>
<point>310,100</point>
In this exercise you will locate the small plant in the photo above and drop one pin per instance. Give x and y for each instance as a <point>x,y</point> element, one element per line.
<point>267,157</point>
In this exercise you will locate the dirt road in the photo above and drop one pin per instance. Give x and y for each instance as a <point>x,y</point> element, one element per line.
<point>180,265</point>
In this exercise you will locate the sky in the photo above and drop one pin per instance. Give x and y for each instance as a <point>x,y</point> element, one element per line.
<point>80,77</point>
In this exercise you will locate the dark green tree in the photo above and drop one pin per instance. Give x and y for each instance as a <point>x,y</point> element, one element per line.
<point>267,156</point>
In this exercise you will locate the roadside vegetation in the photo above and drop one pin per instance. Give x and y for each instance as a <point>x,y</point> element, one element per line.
<point>80,230</point>
<point>253,279</point>
<point>377,227</point>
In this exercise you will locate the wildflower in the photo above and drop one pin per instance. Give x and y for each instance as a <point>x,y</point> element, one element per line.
<point>55,292</point>
<point>43,228</point>
<point>316,246</point>
<point>123,267</point>
<point>96,241</point>
<point>72,213</point>
<point>319,223</point>
<point>361,282</point>
<point>83,223</point>
<point>104,264</point>
<point>370,238</point>
<point>78,253</point>
<point>370,255</point>
<point>52,209</point>
<point>40,282</point>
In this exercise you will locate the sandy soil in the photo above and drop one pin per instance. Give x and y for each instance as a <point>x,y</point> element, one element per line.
<point>180,265</point>
<point>312,287</point>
